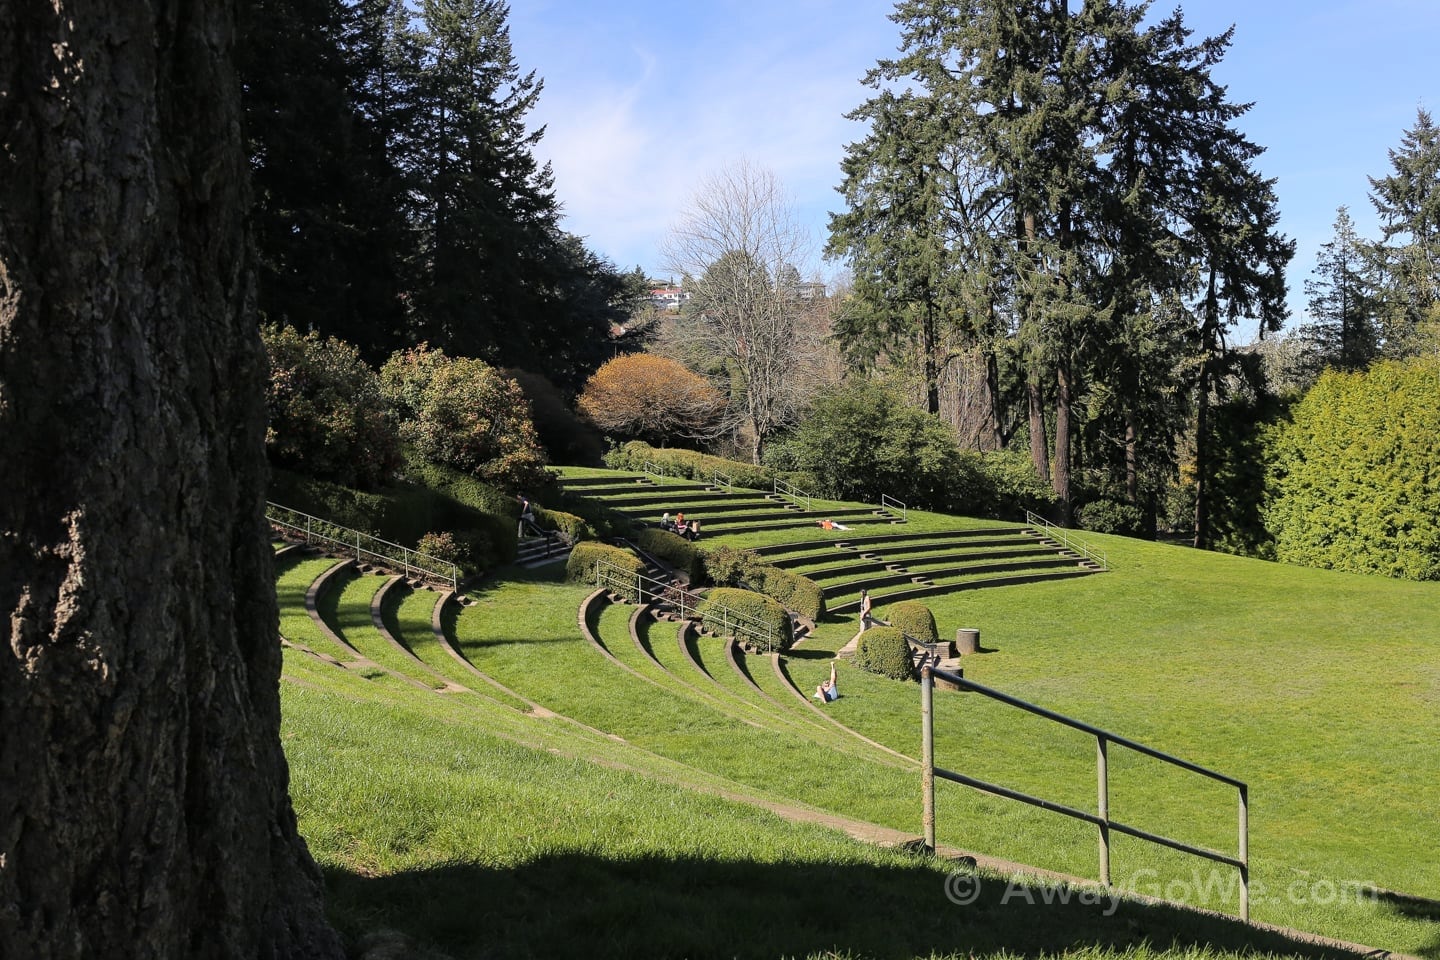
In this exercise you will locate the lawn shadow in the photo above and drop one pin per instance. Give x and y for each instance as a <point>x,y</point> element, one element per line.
<point>587,906</point>
<point>1414,908</point>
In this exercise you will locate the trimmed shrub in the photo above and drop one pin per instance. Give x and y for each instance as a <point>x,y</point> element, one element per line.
<point>729,567</point>
<point>793,591</point>
<point>492,535</point>
<point>674,550</point>
<point>1353,475</point>
<point>576,528</point>
<point>883,650</point>
<point>580,567</point>
<point>914,619</point>
<point>689,464</point>
<point>765,623</point>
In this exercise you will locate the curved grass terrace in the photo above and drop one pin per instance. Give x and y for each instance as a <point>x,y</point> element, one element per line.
<point>472,822</point>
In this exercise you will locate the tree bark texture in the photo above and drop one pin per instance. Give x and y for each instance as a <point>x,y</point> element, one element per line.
<point>143,791</point>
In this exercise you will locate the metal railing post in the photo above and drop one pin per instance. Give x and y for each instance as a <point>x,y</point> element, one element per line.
<point>1102,776</point>
<point>927,755</point>
<point>1244,853</point>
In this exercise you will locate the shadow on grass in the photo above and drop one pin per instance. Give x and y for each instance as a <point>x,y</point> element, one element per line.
<point>582,905</point>
<point>1414,908</point>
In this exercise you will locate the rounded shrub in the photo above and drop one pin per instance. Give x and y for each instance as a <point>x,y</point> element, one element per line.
<point>883,650</point>
<point>913,619</point>
<point>581,566</point>
<point>793,591</point>
<point>762,623</point>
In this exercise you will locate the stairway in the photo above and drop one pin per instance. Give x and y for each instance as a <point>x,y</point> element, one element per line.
<point>532,552</point>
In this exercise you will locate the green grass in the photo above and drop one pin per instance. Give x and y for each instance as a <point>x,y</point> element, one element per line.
<point>478,847</point>
<point>1319,689</point>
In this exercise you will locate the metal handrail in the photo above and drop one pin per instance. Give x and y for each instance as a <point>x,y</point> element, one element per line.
<point>1101,819</point>
<point>1070,542</point>
<point>639,588</point>
<point>887,501</point>
<point>783,489</point>
<point>363,545</point>
<point>652,469</point>
<point>723,480</point>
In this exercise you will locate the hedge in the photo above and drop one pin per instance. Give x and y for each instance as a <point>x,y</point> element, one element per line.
<point>793,591</point>
<point>754,607</point>
<point>402,514</point>
<point>1352,482</point>
<point>883,650</point>
<point>729,567</point>
<point>914,619</point>
<point>576,528</point>
<point>580,568</point>
<point>689,464</point>
<point>674,550</point>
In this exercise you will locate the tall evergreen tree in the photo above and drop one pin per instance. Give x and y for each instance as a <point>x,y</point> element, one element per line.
<point>1029,177</point>
<point>1408,202</point>
<point>326,213</point>
<point>1343,331</point>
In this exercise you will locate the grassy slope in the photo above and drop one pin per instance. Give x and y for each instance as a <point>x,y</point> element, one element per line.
<point>1087,647</point>
<point>1319,689</point>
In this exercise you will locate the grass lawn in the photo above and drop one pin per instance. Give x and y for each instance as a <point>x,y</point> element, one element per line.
<point>459,822</point>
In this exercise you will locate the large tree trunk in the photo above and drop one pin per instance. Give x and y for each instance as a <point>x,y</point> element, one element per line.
<point>143,792</point>
<point>1039,443</point>
<point>1061,467</point>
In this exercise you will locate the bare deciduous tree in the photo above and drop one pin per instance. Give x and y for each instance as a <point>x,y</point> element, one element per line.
<point>751,320</point>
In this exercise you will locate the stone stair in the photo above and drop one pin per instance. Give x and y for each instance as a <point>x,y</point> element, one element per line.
<point>532,552</point>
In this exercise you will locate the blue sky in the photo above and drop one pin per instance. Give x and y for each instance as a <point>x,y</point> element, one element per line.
<point>644,99</point>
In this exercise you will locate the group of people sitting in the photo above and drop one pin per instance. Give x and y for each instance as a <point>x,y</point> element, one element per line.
<point>689,529</point>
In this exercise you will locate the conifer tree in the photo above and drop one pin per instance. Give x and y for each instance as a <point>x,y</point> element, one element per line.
<point>1408,202</point>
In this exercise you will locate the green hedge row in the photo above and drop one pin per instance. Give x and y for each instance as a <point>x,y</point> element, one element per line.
<point>580,567</point>
<point>763,623</point>
<point>674,550</point>
<point>1354,479</point>
<point>688,464</point>
<point>914,619</point>
<point>576,528</point>
<point>728,567</point>
<point>403,514</point>
<point>883,650</point>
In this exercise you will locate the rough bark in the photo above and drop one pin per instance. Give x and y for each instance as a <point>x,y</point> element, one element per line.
<point>1061,467</point>
<point>143,791</point>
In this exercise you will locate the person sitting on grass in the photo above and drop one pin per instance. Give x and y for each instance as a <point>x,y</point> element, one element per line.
<point>665,523</point>
<point>828,690</point>
<point>692,531</point>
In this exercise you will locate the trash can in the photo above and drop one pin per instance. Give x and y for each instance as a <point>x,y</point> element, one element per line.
<point>967,640</point>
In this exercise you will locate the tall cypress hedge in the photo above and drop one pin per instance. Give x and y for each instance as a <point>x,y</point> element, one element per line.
<point>1355,476</point>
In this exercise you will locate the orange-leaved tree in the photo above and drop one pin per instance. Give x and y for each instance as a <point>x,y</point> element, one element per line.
<point>652,398</point>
